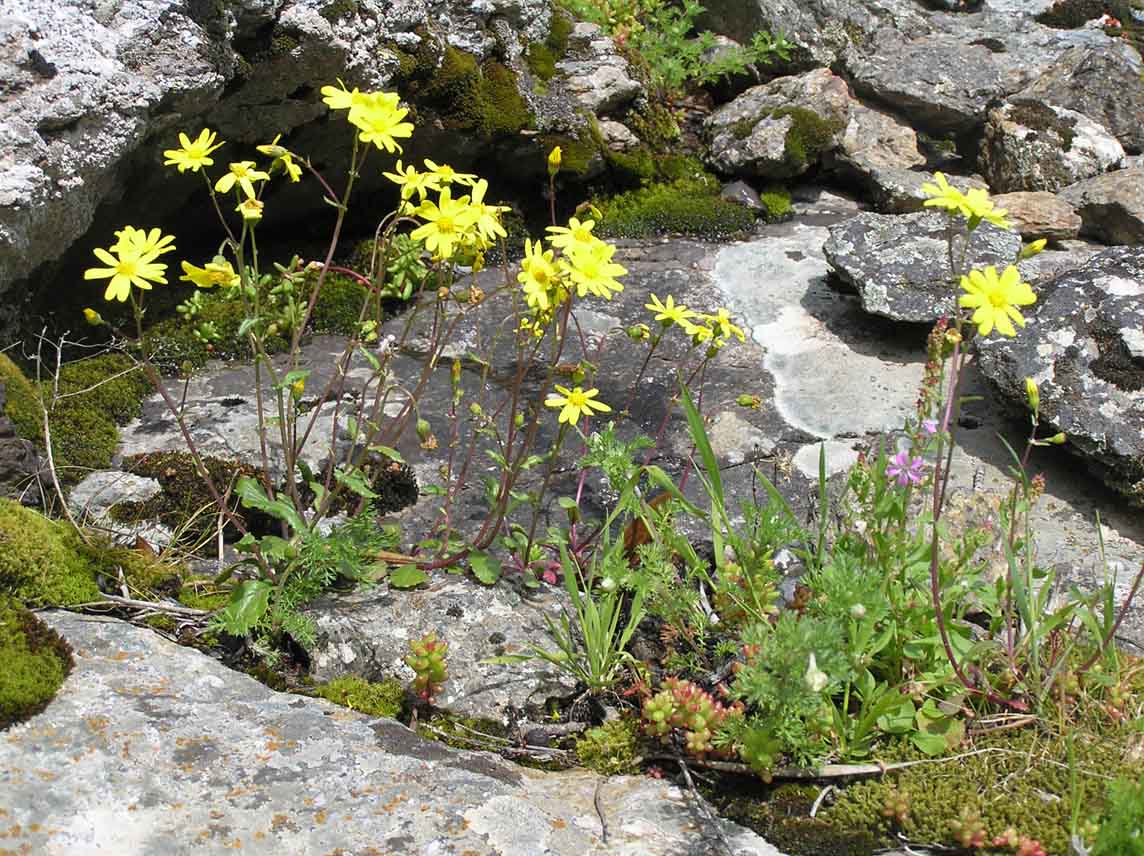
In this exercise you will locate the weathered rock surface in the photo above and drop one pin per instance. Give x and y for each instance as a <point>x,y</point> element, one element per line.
<point>19,460</point>
<point>150,747</point>
<point>1040,215</point>
<point>1084,345</point>
<point>779,129</point>
<point>900,264</point>
<point>874,140</point>
<point>92,500</point>
<point>1103,82</point>
<point>899,191</point>
<point>1034,146</point>
<point>368,632</point>
<point>1111,206</point>
<point>595,73</point>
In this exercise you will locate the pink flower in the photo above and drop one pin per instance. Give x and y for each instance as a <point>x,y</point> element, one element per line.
<point>929,426</point>
<point>903,469</point>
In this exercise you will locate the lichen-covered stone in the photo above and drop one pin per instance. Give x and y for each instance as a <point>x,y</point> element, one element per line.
<point>1039,215</point>
<point>900,264</point>
<point>779,129</point>
<point>1084,345</point>
<point>1032,146</point>
<point>153,747</point>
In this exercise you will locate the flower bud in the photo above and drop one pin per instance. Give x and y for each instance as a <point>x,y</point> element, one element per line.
<point>1030,250</point>
<point>751,401</point>
<point>92,317</point>
<point>1058,439</point>
<point>475,410</point>
<point>1032,394</point>
<point>858,612</point>
<point>554,157</point>
<point>424,429</point>
<point>298,387</point>
<point>816,679</point>
<point>638,332</point>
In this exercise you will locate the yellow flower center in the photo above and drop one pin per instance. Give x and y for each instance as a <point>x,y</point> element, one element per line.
<point>445,224</point>
<point>577,398</point>
<point>541,276</point>
<point>997,298</point>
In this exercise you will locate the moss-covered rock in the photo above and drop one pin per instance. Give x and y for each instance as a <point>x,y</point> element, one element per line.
<point>378,699</point>
<point>612,748</point>
<point>809,135</point>
<point>36,661</point>
<point>687,206</point>
<point>776,201</point>
<point>543,56</point>
<point>40,560</point>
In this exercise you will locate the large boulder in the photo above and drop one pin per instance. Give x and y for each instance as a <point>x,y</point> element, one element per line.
<point>595,73</point>
<point>1084,345</point>
<point>899,265</point>
<point>1034,146</point>
<point>1111,206</point>
<point>779,129</point>
<point>900,191</point>
<point>1103,82</point>
<point>150,747</point>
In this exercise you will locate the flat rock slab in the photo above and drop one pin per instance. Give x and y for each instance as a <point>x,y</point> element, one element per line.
<point>368,632</point>
<point>153,748</point>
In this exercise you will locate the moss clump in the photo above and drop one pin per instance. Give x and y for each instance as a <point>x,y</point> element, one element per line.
<point>1006,785</point>
<point>542,57</point>
<point>655,124</point>
<point>809,135</point>
<point>776,201</point>
<point>577,154</point>
<point>685,206</point>
<point>36,661</point>
<point>611,749</point>
<point>481,99</point>
<point>41,562</point>
<point>1122,832</point>
<point>378,699</point>
<point>339,10</point>
<point>95,395</point>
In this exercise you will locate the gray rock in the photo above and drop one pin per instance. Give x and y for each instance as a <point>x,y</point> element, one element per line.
<point>779,129</point>
<point>1033,146</point>
<point>1102,82</point>
<point>1084,346</point>
<point>899,191</point>
<point>1111,206</point>
<point>617,136</point>
<point>874,140</point>
<point>743,194</point>
<point>595,73</point>
<point>900,264</point>
<point>92,499</point>
<point>1040,215</point>
<point>19,459</point>
<point>150,747</point>
<point>368,632</point>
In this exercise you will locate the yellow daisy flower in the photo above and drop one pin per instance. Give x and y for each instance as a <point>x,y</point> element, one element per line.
<point>193,154</point>
<point>250,209</point>
<point>592,270</point>
<point>723,327</point>
<point>575,235</point>
<point>282,157</point>
<point>576,402</point>
<point>447,222</point>
<point>244,175</point>
<point>215,272</point>
<point>378,118</point>
<point>994,299</point>
<point>538,275</point>
<point>488,216</point>
<point>447,175</point>
<point>340,98</point>
<point>413,181</point>
<point>131,262</point>
<point>670,312</point>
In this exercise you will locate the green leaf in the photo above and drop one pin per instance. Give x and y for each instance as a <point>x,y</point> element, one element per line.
<point>248,603</point>
<point>392,454</point>
<point>355,481</point>
<point>900,720</point>
<point>369,357</point>
<point>252,496</point>
<point>407,576</point>
<point>699,437</point>
<point>930,744</point>
<point>485,568</point>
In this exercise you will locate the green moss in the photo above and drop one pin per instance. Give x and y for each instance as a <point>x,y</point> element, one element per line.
<point>339,10</point>
<point>611,749</point>
<point>542,57</point>
<point>378,699</point>
<point>655,124</point>
<point>41,562</point>
<point>686,206</point>
<point>36,661</point>
<point>576,155</point>
<point>1021,780</point>
<point>198,595</point>
<point>808,136</point>
<point>92,400</point>
<point>776,201</point>
<point>483,99</point>
<point>1122,832</point>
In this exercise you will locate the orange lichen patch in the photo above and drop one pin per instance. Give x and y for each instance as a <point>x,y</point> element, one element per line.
<point>279,821</point>
<point>559,823</point>
<point>47,775</point>
<point>259,835</point>
<point>97,723</point>
<point>320,815</point>
<point>24,850</point>
<point>307,801</point>
<point>395,802</point>
<point>12,831</point>
<point>120,656</point>
<point>238,791</point>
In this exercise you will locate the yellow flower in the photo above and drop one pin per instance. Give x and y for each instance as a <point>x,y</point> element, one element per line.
<point>488,216</point>
<point>131,262</point>
<point>378,118</point>
<point>447,219</point>
<point>973,205</point>
<point>282,156</point>
<point>412,181</point>
<point>1032,394</point>
<point>592,270</point>
<point>670,312</point>
<point>250,209</point>
<point>538,275</point>
<point>554,158</point>
<point>216,272</point>
<point>447,175</point>
<point>92,317</point>
<point>575,402</point>
<point>340,98</point>
<point>723,327</point>
<point>995,299</point>
<point>575,235</point>
<point>244,174</point>
<point>192,155</point>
